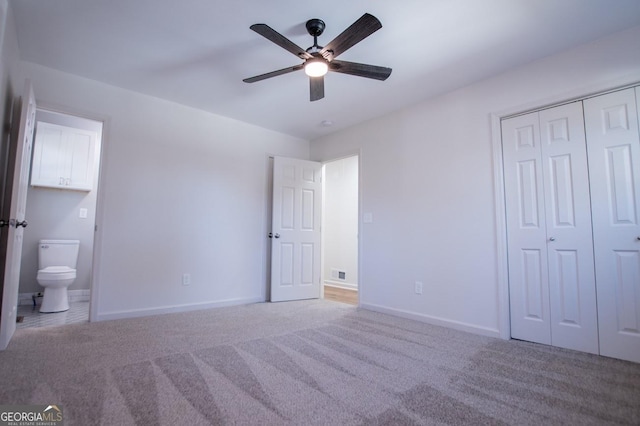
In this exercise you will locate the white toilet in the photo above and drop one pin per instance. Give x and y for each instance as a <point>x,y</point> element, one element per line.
<point>57,261</point>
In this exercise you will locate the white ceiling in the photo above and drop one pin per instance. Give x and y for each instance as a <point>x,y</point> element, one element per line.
<point>196,52</point>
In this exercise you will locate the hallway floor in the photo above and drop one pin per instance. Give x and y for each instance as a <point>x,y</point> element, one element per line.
<point>343,295</point>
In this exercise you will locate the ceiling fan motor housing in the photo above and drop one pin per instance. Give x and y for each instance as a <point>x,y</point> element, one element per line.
<point>315,27</point>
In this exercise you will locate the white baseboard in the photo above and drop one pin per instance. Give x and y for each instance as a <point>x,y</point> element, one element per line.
<point>137,313</point>
<point>74,296</point>
<point>338,284</point>
<point>456,325</point>
<point>79,295</point>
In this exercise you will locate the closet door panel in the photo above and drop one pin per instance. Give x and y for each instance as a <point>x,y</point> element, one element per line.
<point>572,287</point>
<point>614,166</point>
<point>526,236</point>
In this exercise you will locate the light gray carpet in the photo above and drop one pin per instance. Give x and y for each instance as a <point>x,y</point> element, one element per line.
<point>309,362</point>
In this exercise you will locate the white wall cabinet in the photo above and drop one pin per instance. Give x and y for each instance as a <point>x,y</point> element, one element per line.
<point>572,191</point>
<point>63,157</point>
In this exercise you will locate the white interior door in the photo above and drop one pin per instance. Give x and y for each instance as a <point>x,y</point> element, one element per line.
<point>572,285</point>
<point>614,166</point>
<point>526,229</point>
<point>297,206</point>
<point>11,279</point>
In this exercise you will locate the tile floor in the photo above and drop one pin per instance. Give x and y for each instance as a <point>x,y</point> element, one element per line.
<point>78,312</point>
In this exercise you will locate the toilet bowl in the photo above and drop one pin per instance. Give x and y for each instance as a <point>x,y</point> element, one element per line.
<point>57,261</point>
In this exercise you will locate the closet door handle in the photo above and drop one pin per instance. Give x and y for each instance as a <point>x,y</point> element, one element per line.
<point>552,239</point>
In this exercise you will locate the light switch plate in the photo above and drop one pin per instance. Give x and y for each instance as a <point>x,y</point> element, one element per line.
<point>83,213</point>
<point>368,218</point>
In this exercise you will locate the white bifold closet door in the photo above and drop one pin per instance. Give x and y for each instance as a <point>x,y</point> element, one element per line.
<point>613,144</point>
<point>550,242</point>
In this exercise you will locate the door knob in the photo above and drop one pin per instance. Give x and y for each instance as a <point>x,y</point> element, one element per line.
<point>23,224</point>
<point>270,234</point>
<point>552,239</point>
<point>277,236</point>
<point>3,223</point>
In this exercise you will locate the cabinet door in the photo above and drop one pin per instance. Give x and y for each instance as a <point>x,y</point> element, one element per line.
<point>572,286</point>
<point>614,167</point>
<point>526,230</point>
<point>48,156</point>
<point>80,159</point>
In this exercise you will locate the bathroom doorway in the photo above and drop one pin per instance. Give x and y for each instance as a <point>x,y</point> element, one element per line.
<point>59,210</point>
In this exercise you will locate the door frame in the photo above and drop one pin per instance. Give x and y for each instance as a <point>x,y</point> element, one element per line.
<point>94,286</point>
<point>502,273</point>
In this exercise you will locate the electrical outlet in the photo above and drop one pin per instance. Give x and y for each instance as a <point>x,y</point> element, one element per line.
<point>418,287</point>
<point>186,279</point>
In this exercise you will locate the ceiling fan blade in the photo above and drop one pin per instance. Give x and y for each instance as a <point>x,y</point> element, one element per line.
<point>361,70</point>
<point>273,74</point>
<point>358,31</point>
<point>317,88</point>
<point>272,35</point>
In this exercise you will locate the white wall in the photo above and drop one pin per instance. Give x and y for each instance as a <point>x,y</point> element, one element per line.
<point>54,214</point>
<point>340,221</point>
<point>181,191</point>
<point>427,176</point>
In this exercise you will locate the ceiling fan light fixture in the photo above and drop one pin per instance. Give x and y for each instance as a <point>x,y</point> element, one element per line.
<point>316,67</point>
<point>318,60</point>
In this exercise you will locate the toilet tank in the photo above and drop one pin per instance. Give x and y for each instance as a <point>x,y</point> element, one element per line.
<point>58,253</point>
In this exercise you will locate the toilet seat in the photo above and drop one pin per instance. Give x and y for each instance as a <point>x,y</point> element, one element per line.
<point>56,273</point>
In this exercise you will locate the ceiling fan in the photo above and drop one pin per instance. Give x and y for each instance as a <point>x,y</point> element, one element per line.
<point>318,59</point>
